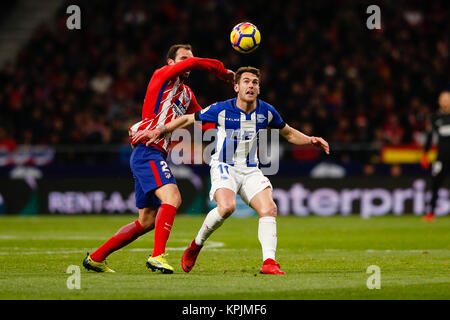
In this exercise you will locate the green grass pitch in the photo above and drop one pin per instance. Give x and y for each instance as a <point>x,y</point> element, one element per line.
<point>325,258</point>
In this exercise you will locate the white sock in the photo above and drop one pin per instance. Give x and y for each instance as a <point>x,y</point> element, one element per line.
<point>212,221</point>
<point>267,236</point>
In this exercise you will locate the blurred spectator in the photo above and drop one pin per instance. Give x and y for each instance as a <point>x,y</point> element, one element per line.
<point>396,171</point>
<point>6,141</point>
<point>101,82</point>
<point>393,131</point>
<point>368,169</point>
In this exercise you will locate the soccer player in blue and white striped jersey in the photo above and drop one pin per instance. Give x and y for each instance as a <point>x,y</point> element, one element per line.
<point>234,164</point>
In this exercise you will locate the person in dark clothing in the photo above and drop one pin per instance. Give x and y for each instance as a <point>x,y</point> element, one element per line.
<point>440,125</point>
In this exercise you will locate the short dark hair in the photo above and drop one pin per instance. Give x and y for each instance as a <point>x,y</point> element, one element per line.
<point>172,53</point>
<point>241,70</point>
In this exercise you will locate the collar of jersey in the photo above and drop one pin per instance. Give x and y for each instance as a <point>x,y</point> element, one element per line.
<point>233,103</point>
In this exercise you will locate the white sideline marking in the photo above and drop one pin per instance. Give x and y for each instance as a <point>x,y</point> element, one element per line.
<point>410,250</point>
<point>48,237</point>
<point>39,252</point>
<point>388,250</point>
<point>212,245</point>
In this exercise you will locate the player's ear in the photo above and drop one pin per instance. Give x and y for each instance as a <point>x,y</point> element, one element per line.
<point>236,87</point>
<point>170,61</point>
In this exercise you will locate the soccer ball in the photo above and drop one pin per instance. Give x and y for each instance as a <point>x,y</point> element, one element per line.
<point>245,37</point>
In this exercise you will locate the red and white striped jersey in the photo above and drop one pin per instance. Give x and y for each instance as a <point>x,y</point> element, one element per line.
<point>168,98</point>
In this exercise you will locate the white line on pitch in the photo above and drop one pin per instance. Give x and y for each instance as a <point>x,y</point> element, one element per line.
<point>211,245</point>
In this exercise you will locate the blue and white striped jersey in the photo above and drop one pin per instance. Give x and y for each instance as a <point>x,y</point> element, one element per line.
<point>237,131</point>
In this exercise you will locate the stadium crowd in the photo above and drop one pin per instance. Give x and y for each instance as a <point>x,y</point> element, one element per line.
<point>324,70</point>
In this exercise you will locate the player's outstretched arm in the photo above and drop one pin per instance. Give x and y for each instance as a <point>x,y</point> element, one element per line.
<point>206,64</point>
<point>152,135</point>
<point>296,137</point>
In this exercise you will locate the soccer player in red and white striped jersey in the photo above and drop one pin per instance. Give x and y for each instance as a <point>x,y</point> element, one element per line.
<point>168,97</point>
<point>157,195</point>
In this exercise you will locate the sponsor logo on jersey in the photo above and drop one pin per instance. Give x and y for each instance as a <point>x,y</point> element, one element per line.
<point>260,118</point>
<point>178,108</point>
<point>204,110</point>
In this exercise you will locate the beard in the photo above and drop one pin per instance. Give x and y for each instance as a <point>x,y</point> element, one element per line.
<point>184,76</point>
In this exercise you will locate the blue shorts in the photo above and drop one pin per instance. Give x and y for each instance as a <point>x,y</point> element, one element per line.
<point>150,171</point>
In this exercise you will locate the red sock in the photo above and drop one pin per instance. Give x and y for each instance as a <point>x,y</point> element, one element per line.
<point>124,236</point>
<point>163,226</point>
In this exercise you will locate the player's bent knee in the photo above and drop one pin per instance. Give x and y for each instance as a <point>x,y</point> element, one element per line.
<point>269,211</point>
<point>169,194</point>
<point>226,209</point>
<point>148,225</point>
<point>173,200</point>
<point>176,201</point>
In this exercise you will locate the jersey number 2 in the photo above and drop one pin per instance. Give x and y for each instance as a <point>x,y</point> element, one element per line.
<point>164,166</point>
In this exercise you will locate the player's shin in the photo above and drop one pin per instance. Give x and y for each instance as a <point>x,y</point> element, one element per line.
<point>124,236</point>
<point>212,221</point>
<point>163,226</point>
<point>267,236</point>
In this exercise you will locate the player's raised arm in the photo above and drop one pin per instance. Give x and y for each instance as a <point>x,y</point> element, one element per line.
<point>188,64</point>
<point>152,135</point>
<point>296,137</point>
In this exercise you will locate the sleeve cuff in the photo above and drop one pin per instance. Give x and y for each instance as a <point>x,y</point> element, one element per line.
<point>280,126</point>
